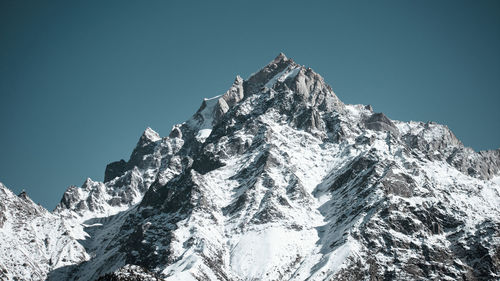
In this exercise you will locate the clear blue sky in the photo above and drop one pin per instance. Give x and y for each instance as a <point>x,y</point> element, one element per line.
<point>81,80</point>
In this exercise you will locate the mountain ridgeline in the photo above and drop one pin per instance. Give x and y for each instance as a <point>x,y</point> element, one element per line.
<point>276,179</point>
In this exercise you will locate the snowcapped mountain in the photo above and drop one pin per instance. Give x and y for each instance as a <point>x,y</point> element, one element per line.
<point>276,179</point>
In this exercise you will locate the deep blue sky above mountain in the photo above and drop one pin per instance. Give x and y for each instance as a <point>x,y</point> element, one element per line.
<point>81,80</point>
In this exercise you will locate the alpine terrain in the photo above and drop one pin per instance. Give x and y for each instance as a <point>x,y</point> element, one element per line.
<point>276,179</point>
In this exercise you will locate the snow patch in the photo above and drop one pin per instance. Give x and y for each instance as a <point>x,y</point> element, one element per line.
<point>282,76</point>
<point>203,134</point>
<point>262,251</point>
<point>152,135</point>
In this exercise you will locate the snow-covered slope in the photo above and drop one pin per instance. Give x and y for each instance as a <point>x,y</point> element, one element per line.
<point>33,241</point>
<point>277,179</point>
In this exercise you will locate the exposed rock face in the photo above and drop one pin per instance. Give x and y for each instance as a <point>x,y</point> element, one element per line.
<point>277,179</point>
<point>115,169</point>
<point>380,122</point>
<point>231,97</point>
<point>139,158</point>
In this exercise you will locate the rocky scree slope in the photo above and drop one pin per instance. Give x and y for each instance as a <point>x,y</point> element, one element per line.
<point>277,179</point>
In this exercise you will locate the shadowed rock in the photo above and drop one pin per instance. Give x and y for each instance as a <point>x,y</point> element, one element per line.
<point>380,122</point>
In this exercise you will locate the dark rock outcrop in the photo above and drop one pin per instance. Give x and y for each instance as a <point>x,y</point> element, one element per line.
<point>115,169</point>
<point>380,122</point>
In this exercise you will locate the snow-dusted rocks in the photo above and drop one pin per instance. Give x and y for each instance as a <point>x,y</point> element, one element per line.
<point>277,179</point>
<point>131,273</point>
<point>33,241</point>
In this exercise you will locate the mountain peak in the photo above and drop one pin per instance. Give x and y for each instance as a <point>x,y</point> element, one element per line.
<point>276,179</point>
<point>151,135</point>
<point>238,80</point>
<point>148,136</point>
<point>280,57</point>
<point>23,194</point>
<point>257,80</point>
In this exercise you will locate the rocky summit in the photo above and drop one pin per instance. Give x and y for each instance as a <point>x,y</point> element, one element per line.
<point>276,179</point>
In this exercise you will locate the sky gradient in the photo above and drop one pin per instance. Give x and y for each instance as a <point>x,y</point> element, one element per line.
<point>81,80</point>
